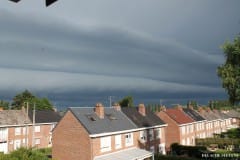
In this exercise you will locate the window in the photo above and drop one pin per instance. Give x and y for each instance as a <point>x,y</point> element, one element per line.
<point>152,149</point>
<point>23,141</point>
<point>162,148</point>
<point>151,134</point>
<point>37,128</point>
<point>188,141</point>
<point>24,130</point>
<point>158,132</point>
<point>143,136</point>
<point>17,144</point>
<point>118,141</point>
<point>129,139</point>
<point>183,141</point>
<point>183,130</point>
<point>37,140</point>
<point>105,144</point>
<point>18,131</point>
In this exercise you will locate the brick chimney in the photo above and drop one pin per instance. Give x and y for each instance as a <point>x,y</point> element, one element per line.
<point>117,107</point>
<point>163,108</point>
<point>99,110</point>
<point>200,110</point>
<point>142,109</point>
<point>179,107</point>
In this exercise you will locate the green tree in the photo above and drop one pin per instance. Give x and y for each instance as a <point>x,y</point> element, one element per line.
<point>126,102</point>
<point>229,72</point>
<point>4,104</point>
<point>40,103</point>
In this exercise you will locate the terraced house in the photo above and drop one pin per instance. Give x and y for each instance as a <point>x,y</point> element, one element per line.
<point>104,133</point>
<point>213,123</point>
<point>180,128</point>
<point>199,125</point>
<point>18,130</point>
<point>152,133</point>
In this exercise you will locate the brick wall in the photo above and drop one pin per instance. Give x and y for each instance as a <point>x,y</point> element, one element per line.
<point>70,140</point>
<point>97,148</point>
<point>171,131</point>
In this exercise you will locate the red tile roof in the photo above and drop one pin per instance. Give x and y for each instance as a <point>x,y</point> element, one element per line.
<point>179,116</point>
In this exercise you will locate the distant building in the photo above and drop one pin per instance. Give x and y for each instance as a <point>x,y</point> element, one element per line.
<point>180,128</point>
<point>18,130</point>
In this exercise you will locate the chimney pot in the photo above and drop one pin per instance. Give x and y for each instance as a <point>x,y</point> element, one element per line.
<point>117,107</point>
<point>179,107</point>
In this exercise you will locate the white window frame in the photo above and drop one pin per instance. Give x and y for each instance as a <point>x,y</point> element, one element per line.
<point>37,141</point>
<point>37,128</point>
<point>129,139</point>
<point>118,141</point>
<point>158,132</point>
<point>105,144</point>
<point>183,130</point>
<point>161,148</point>
<point>143,136</point>
<point>17,144</point>
<point>183,142</point>
<point>17,131</point>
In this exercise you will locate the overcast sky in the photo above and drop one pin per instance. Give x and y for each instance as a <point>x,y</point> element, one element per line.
<point>79,52</point>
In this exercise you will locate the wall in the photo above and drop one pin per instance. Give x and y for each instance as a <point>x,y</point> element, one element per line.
<point>70,140</point>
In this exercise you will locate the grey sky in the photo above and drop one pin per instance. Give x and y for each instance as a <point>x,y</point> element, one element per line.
<point>93,48</point>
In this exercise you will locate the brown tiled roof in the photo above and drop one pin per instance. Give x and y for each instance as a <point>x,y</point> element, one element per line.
<point>179,116</point>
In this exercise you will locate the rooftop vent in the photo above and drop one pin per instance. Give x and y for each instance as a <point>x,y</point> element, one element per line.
<point>111,116</point>
<point>90,117</point>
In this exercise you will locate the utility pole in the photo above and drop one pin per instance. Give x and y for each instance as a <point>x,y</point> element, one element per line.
<point>26,129</point>
<point>33,129</point>
<point>110,101</point>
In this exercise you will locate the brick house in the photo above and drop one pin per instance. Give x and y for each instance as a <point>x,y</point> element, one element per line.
<point>180,128</point>
<point>235,115</point>
<point>199,125</point>
<point>43,124</point>
<point>213,123</point>
<point>16,129</point>
<point>152,135</point>
<point>13,130</point>
<point>225,120</point>
<point>97,133</point>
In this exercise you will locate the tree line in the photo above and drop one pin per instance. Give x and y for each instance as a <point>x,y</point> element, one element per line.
<point>27,98</point>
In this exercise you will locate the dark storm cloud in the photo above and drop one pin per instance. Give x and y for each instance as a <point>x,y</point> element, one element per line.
<point>43,56</point>
<point>156,48</point>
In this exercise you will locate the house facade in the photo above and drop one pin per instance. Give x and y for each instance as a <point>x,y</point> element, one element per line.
<point>213,123</point>
<point>18,130</point>
<point>43,122</point>
<point>14,129</point>
<point>97,133</point>
<point>199,125</point>
<point>180,128</point>
<point>152,133</point>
